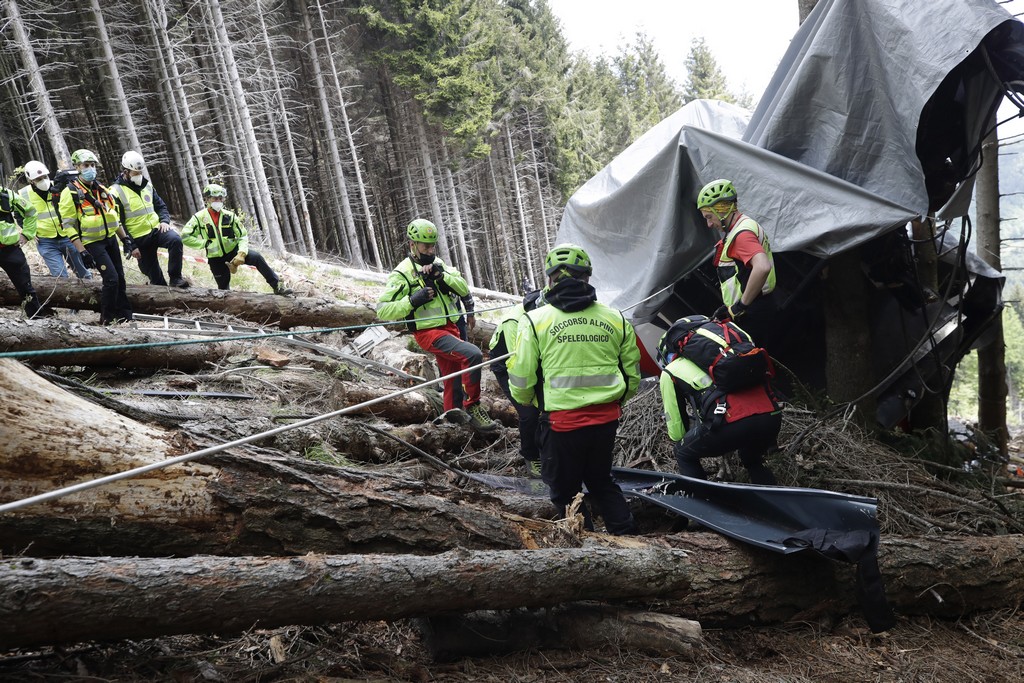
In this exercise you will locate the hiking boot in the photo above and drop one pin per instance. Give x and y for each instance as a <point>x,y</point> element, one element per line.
<point>180,283</point>
<point>479,419</point>
<point>533,469</point>
<point>281,290</point>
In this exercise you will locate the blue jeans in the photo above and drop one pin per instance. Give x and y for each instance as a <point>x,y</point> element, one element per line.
<point>55,251</point>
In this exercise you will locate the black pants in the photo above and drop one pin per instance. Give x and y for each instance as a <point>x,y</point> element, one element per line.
<point>529,418</point>
<point>149,262</point>
<point>12,260</point>
<point>222,275</point>
<point>584,456</point>
<point>114,306</point>
<point>752,437</point>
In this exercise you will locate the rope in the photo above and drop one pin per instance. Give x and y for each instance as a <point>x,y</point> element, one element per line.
<point>183,342</point>
<point>127,474</point>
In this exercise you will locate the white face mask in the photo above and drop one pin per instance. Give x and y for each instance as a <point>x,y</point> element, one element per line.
<point>137,179</point>
<point>217,206</point>
<point>43,184</point>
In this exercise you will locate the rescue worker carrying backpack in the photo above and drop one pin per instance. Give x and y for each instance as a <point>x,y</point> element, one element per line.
<point>225,240</point>
<point>18,225</point>
<point>717,393</point>
<point>89,216</point>
<point>51,241</point>
<point>146,218</point>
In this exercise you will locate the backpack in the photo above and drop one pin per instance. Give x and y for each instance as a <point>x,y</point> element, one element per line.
<point>722,349</point>
<point>60,180</point>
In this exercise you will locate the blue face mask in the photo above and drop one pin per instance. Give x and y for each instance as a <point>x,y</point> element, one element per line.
<point>88,174</point>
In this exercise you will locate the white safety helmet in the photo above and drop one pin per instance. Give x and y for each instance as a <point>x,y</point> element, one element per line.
<point>34,170</point>
<point>132,160</point>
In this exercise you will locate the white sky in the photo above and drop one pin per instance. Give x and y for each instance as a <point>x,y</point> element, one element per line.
<point>747,37</point>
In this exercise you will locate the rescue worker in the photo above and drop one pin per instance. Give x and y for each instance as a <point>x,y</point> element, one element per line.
<point>422,290</point>
<point>578,362</point>
<point>89,216</point>
<point>18,225</point>
<point>504,341</point>
<point>225,240</point>
<point>704,422</point>
<point>52,244</point>
<point>743,260</point>
<point>146,218</point>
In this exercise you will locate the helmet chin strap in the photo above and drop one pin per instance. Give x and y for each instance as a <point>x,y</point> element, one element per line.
<point>723,217</point>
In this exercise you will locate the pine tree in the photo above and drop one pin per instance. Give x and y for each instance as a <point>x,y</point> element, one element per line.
<point>706,80</point>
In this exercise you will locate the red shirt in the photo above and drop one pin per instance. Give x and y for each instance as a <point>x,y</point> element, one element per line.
<point>743,248</point>
<point>568,420</point>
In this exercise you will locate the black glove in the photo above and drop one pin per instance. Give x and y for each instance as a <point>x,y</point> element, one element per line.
<point>421,296</point>
<point>129,245</point>
<point>721,313</point>
<point>436,272</point>
<point>88,260</point>
<point>738,309</point>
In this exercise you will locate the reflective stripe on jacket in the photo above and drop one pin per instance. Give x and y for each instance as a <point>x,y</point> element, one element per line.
<point>88,212</point>
<point>140,218</point>
<point>218,239</point>
<point>47,221</point>
<point>675,397</point>
<point>14,210</point>
<point>404,280</point>
<point>579,358</point>
<point>732,275</point>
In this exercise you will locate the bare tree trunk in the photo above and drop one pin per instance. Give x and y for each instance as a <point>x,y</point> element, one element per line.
<point>848,370</point>
<point>457,225</point>
<point>264,203</point>
<point>39,92</point>
<point>517,193</point>
<point>68,600</point>
<point>115,78</point>
<point>540,188</point>
<point>503,230</point>
<point>433,195</point>
<point>992,389</point>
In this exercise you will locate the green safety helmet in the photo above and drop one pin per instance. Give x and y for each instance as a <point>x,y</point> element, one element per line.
<point>721,190</point>
<point>569,256</point>
<point>670,344</point>
<point>214,190</point>
<point>81,156</point>
<point>422,230</point>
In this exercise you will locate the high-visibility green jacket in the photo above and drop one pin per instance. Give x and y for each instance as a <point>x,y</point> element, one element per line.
<point>47,221</point>
<point>504,338</point>
<point>732,275</point>
<point>675,396</point>
<point>405,279</point>
<point>88,212</point>
<point>14,210</point>
<point>140,216</point>
<point>573,359</point>
<point>219,237</point>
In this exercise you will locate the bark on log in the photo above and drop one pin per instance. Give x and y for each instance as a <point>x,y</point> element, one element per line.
<point>570,627</point>
<point>231,504</point>
<point>48,334</point>
<point>409,408</point>
<point>704,577</point>
<point>262,309</point>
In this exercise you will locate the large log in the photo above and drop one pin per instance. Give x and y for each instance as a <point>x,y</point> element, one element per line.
<point>49,334</point>
<point>264,309</point>
<point>231,503</point>
<point>704,577</point>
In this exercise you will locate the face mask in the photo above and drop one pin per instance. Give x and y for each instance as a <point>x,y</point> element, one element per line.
<point>43,184</point>
<point>424,259</point>
<point>137,179</point>
<point>217,206</point>
<point>88,174</point>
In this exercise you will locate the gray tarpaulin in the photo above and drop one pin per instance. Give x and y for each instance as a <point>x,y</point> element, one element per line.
<point>827,162</point>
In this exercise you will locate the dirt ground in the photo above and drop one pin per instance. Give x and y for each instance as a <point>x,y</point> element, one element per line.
<point>986,647</point>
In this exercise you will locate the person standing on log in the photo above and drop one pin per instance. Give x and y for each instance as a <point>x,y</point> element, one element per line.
<point>146,218</point>
<point>423,290</point>
<point>503,341</point>
<point>743,260</point>
<point>52,244</point>
<point>18,225</point>
<point>89,216</point>
<point>225,240</point>
<point>578,362</point>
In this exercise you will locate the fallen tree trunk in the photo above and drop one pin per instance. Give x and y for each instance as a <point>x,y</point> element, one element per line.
<point>263,309</point>
<point>231,504</point>
<point>408,408</point>
<point>49,335</point>
<point>704,577</point>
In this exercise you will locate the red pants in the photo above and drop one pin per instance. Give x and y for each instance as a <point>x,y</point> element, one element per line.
<point>452,355</point>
